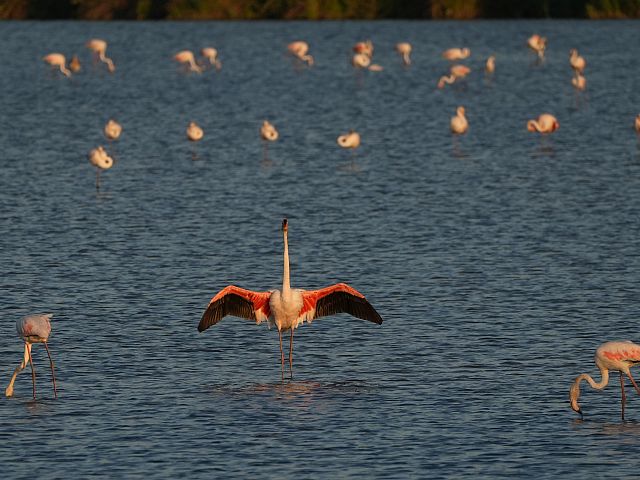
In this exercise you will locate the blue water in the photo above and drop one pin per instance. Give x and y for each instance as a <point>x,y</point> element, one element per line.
<point>499,261</point>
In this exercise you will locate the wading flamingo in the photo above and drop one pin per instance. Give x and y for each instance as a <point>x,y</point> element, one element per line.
<point>194,132</point>
<point>456,53</point>
<point>404,50</point>
<point>490,66</point>
<point>299,50</point>
<point>618,355</point>
<point>349,140</point>
<point>288,308</point>
<point>99,47</point>
<point>538,44</point>
<point>74,64</point>
<point>577,62</point>
<point>459,123</point>
<point>455,73</point>
<point>186,58</point>
<point>637,124</point>
<point>58,60</point>
<point>112,130</point>
<point>365,48</point>
<point>211,55</point>
<point>546,123</point>
<point>579,81</point>
<point>269,134</point>
<point>33,329</point>
<point>100,159</point>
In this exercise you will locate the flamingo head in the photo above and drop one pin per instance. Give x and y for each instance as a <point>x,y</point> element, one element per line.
<point>531,126</point>
<point>460,111</point>
<point>285,225</point>
<point>573,398</point>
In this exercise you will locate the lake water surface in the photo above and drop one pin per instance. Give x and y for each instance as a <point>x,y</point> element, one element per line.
<point>499,261</point>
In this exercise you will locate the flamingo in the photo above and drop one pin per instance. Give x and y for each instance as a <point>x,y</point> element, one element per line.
<point>637,124</point>
<point>99,47</point>
<point>456,53</point>
<point>288,308</point>
<point>456,72</point>
<point>74,64</point>
<point>112,130</point>
<point>211,54</point>
<point>490,66</point>
<point>57,60</point>
<point>299,50</point>
<point>365,48</point>
<point>538,44</point>
<point>186,57</point>
<point>579,81</point>
<point>546,123</point>
<point>459,123</point>
<point>577,62</point>
<point>33,329</point>
<point>269,134</point>
<point>349,140</point>
<point>100,159</point>
<point>617,355</point>
<point>194,132</point>
<point>404,50</point>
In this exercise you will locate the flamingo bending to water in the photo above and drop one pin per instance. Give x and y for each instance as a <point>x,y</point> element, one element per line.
<point>99,47</point>
<point>546,123</point>
<point>456,53</point>
<point>58,60</point>
<point>459,123</point>
<point>538,44</point>
<point>577,62</point>
<point>618,355</point>
<point>300,49</point>
<point>186,57</point>
<point>112,130</point>
<point>404,50</point>
<point>288,308</point>
<point>33,329</point>
<point>456,72</point>
<point>211,54</point>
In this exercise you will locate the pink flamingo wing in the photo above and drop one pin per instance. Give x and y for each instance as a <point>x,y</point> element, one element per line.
<point>238,302</point>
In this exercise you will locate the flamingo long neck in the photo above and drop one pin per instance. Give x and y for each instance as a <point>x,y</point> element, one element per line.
<point>286,286</point>
<point>575,388</point>
<point>535,124</point>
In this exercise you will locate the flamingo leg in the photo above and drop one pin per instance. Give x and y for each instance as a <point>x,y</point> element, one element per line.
<point>265,151</point>
<point>97,179</point>
<point>291,355</point>
<point>633,382</point>
<point>53,373</point>
<point>33,371</point>
<point>281,354</point>
<point>9,390</point>
<point>624,395</point>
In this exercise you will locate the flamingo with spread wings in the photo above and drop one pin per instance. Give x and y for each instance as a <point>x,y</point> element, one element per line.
<point>287,308</point>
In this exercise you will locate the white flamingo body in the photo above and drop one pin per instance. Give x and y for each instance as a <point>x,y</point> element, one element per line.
<point>404,50</point>
<point>349,140</point>
<point>268,132</point>
<point>194,132</point>
<point>538,44</point>
<point>99,47</point>
<point>33,329</point>
<point>300,49</point>
<point>459,123</point>
<point>100,159</point>
<point>579,81</point>
<point>546,123</point>
<point>360,60</point>
<point>456,72</point>
<point>618,356</point>
<point>288,308</point>
<point>456,53</point>
<point>211,55</point>
<point>112,130</point>
<point>577,62</point>
<point>186,57</point>
<point>58,60</point>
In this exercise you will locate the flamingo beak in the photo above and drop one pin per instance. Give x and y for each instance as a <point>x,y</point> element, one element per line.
<point>285,225</point>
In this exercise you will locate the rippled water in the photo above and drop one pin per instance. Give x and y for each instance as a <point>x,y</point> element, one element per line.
<point>499,261</point>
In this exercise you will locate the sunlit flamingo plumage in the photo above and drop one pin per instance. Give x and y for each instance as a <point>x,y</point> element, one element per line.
<point>456,53</point>
<point>579,81</point>
<point>74,64</point>
<point>112,130</point>
<point>538,44</point>
<point>58,60</point>
<point>211,55</point>
<point>404,50</point>
<point>459,123</point>
<point>577,62</point>
<point>490,66</point>
<point>186,57</point>
<point>99,47</point>
<point>100,159</point>
<point>300,50</point>
<point>545,123</point>
<point>456,72</point>
<point>194,132</point>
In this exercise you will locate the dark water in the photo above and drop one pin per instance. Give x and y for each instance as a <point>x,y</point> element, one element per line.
<point>499,260</point>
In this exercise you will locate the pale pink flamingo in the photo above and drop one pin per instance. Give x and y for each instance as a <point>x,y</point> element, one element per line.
<point>577,62</point>
<point>366,48</point>
<point>194,132</point>
<point>300,50</point>
<point>288,308</point>
<point>456,53</point>
<point>99,48</point>
<point>459,123</point>
<point>617,355</point>
<point>579,81</point>
<point>186,58</point>
<point>546,123</point>
<point>33,329</point>
<point>112,130</point>
<point>58,60</point>
<point>456,72</point>
<point>404,50</point>
<point>360,60</point>
<point>349,140</point>
<point>100,159</point>
<point>637,124</point>
<point>211,55</point>
<point>538,44</point>
<point>74,64</point>
<point>269,134</point>
<point>490,66</point>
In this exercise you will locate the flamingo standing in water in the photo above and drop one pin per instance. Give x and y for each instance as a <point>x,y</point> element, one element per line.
<point>349,140</point>
<point>459,123</point>
<point>577,62</point>
<point>74,64</point>
<point>194,132</point>
<point>211,54</point>
<point>33,329</point>
<point>538,44</point>
<point>579,81</point>
<point>456,72</point>
<point>100,159</point>
<point>269,134</point>
<point>99,47</point>
<point>490,66</point>
<point>186,58</point>
<point>456,53</point>
<point>112,130</point>
<point>300,49</point>
<point>546,123</point>
<point>288,308</point>
<point>365,48</point>
<point>404,50</point>
<point>618,355</point>
<point>58,60</point>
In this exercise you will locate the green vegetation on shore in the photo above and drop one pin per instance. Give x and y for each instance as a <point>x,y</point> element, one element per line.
<point>314,9</point>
